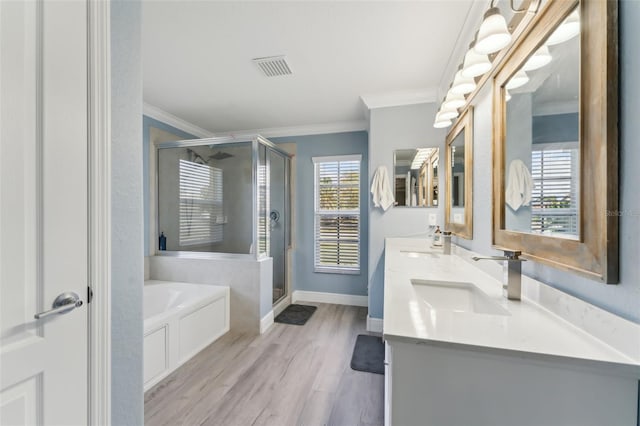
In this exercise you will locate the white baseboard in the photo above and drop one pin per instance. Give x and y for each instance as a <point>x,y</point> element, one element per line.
<point>333,298</point>
<point>266,322</point>
<point>374,325</point>
<point>281,306</point>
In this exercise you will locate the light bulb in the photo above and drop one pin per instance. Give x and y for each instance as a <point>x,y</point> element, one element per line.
<point>462,85</point>
<point>441,122</point>
<point>448,114</point>
<point>475,64</point>
<point>454,100</point>
<point>538,60</point>
<point>566,31</point>
<point>518,80</point>
<point>493,34</point>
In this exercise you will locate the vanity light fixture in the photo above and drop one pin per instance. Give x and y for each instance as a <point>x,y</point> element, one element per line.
<point>440,122</point>
<point>566,31</point>
<point>493,34</point>
<point>462,85</point>
<point>475,64</point>
<point>538,60</point>
<point>518,80</point>
<point>448,113</point>
<point>454,100</point>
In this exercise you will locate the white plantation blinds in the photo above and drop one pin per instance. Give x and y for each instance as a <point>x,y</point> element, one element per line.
<point>201,213</point>
<point>337,214</point>
<point>264,234</point>
<point>554,200</point>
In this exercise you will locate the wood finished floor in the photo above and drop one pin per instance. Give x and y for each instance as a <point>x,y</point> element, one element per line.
<point>291,375</point>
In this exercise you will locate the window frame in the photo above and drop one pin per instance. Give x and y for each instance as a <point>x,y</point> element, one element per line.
<point>318,213</point>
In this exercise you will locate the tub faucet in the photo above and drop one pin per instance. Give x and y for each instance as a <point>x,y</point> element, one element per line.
<point>446,242</point>
<point>512,272</point>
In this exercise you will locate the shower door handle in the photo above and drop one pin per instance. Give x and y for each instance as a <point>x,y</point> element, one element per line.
<point>64,303</point>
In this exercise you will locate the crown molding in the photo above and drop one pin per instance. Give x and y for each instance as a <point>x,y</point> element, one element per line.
<point>304,130</point>
<point>399,98</point>
<point>273,132</point>
<point>177,122</point>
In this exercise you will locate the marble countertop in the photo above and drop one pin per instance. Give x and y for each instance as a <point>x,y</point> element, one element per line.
<point>534,326</point>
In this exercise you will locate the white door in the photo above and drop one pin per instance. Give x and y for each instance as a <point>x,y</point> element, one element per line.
<point>43,211</point>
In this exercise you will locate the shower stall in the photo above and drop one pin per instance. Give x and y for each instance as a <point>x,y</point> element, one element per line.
<point>225,197</point>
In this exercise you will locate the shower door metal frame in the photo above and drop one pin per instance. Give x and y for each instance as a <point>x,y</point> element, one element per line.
<point>287,211</point>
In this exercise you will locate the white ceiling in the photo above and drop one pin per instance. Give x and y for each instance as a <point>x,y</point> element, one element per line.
<point>197,58</point>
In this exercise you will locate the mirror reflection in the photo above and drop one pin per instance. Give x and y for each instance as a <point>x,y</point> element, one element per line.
<point>542,144</point>
<point>416,177</point>
<point>457,179</point>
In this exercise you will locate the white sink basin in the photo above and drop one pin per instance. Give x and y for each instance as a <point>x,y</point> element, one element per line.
<point>456,296</point>
<point>419,253</point>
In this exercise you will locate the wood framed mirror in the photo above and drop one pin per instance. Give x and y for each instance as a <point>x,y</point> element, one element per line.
<point>555,156</point>
<point>458,173</point>
<point>415,173</point>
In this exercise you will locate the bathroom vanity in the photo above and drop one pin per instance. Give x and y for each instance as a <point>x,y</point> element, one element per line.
<point>459,353</point>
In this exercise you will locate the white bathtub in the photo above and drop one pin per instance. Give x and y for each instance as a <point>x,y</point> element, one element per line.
<point>180,319</point>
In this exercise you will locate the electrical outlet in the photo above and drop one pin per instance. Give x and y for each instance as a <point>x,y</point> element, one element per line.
<point>433,218</point>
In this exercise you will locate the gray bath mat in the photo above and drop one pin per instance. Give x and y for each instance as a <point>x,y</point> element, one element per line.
<point>296,314</point>
<point>368,354</point>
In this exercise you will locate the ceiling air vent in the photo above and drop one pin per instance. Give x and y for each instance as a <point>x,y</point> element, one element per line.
<point>273,66</point>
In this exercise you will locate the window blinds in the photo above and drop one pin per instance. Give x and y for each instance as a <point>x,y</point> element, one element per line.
<point>555,200</point>
<point>337,214</point>
<point>201,210</point>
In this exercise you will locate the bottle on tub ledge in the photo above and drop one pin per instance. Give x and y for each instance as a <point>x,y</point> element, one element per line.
<point>437,237</point>
<point>163,241</point>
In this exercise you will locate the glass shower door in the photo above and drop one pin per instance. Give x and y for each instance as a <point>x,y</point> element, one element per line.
<point>278,221</point>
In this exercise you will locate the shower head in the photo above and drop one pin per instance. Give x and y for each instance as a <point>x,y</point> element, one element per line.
<point>195,157</point>
<point>220,155</point>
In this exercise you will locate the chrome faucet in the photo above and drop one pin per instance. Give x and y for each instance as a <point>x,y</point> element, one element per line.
<point>512,272</point>
<point>446,245</point>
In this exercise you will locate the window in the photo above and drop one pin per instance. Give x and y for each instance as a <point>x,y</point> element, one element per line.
<point>554,200</point>
<point>201,213</point>
<point>337,214</point>
<point>264,232</point>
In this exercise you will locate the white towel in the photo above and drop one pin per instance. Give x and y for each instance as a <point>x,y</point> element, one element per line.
<point>519,185</point>
<point>381,189</point>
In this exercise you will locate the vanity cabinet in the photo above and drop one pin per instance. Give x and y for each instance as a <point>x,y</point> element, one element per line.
<point>440,385</point>
<point>457,352</point>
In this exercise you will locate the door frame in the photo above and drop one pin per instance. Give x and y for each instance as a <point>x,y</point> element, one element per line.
<point>99,185</point>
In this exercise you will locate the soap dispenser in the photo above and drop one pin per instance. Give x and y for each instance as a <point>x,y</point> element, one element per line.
<point>437,237</point>
<point>163,241</point>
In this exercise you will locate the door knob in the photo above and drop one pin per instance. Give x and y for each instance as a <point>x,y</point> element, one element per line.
<point>64,303</point>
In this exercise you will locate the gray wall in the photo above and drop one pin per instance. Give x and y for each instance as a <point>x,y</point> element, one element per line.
<point>556,128</point>
<point>303,275</point>
<point>127,271</point>
<point>395,128</point>
<point>622,299</point>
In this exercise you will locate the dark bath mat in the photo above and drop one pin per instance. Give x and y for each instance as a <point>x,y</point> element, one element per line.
<point>368,354</point>
<point>296,314</point>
